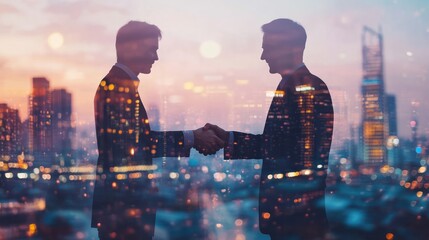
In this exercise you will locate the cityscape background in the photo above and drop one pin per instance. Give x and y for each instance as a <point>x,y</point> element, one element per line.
<point>373,56</point>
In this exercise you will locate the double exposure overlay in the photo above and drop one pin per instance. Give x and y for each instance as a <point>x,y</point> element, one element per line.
<point>233,120</point>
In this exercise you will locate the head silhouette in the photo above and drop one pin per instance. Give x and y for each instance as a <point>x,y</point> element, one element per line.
<point>137,45</point>
<point>283,45</point>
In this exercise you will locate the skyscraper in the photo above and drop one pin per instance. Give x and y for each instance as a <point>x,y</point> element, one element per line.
<point>391,113</point>
<point>40,122</point>
<point>341,130</point>
<point>414,123</point>
<point>392,133</point>
<point>10,132</point>
<point>374,129</point>
<point>63,131</point>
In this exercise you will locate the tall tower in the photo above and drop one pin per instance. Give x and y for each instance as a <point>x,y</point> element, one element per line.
<point>373,100</point>
<point>341,130</point>
<point>392,133</point>
<point>392,116</point>
<point>40,122</point>
<point>63,132</point>
<point>414,122</point>
<point>10,133</point>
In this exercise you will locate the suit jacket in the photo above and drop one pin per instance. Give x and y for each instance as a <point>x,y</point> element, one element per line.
<point>294,147</point>
<point>125,192</point>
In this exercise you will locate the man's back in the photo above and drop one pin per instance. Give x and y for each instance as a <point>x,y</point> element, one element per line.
<point>122,203</point>
<point>297,139</point>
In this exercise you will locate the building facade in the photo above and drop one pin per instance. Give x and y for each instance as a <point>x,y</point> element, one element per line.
<point>373,100</point>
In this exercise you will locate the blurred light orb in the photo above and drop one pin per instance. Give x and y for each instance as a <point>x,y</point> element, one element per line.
<point>395,141</point>
<point>188,85</point>
<point>418,150</point>
<point>174,175</point>
<point>210,49</point>
<point>55,40</point>
<point>198,89</point>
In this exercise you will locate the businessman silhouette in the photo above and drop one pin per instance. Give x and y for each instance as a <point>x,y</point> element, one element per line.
<point>295,143</point>
<point>125,193</point>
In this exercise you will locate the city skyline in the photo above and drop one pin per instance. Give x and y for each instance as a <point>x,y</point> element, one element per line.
<point>75,56</point>
<point>207,195</point>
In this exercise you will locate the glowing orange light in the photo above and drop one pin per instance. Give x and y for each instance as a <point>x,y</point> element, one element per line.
<point>266,215</point>
<point>389,236</point>
<point>32,229</point>
<point>135,175</point>
<point>121,176</point>
<point>292,174</point>
<point>133,212</point>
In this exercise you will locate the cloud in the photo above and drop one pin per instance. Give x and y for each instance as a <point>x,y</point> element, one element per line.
<point>7,9</point>
<point>75,9</point>
<point>2,62</point>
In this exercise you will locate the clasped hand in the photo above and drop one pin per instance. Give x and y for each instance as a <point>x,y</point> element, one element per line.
<point>209,139</point>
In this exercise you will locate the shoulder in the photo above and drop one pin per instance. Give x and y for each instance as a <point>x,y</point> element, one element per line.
<point>116,81</point>
<point>303,77</point>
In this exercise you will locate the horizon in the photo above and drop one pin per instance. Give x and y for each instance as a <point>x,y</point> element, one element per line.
<point>76,54</point>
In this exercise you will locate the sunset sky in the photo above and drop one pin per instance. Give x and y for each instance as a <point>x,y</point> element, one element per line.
<point>71,43</point>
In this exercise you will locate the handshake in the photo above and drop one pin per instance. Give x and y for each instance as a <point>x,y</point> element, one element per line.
<point>209,139</point>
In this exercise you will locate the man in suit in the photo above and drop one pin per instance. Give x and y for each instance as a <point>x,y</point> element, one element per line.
<point>125,193</point>
<point>295,143</point>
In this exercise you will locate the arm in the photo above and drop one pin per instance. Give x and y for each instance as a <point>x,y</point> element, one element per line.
<point>179,143</point>
<point>241,146</point>
<point>168,144</point>
<point>245,146</point>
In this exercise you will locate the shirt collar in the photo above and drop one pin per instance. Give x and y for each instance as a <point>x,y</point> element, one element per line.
<point>128,71</point>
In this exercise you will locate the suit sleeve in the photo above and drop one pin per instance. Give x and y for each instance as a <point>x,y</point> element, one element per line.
<point>245,146</point>
<point>168,144</point>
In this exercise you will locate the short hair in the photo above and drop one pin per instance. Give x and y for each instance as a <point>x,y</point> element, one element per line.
<point>292,31</point>
<point>136,30</point>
